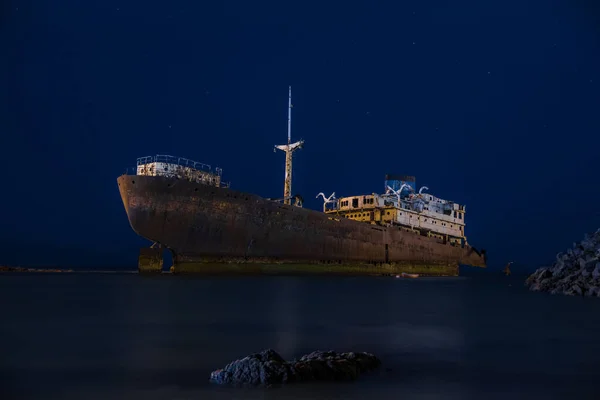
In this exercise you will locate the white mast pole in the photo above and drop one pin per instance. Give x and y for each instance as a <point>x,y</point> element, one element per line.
<point>290,117</point>
<point>289,148</point>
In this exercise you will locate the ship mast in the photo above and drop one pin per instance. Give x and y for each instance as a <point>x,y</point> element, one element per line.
<point>289,148</point>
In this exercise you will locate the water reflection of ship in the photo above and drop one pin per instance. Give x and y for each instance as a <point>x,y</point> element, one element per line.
<point>286,316</point>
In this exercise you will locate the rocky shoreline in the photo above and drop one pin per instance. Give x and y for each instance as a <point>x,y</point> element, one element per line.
<point>24,269</point>
<point>575,272</point>
<point>268,368</point>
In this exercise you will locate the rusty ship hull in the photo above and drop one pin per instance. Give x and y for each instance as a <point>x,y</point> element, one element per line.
<point>217,230</point>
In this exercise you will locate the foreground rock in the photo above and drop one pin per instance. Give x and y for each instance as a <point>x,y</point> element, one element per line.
<point>575,272</point>
<point>269,368</point>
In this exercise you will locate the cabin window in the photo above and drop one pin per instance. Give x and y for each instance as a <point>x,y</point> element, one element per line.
<point>355,203</point>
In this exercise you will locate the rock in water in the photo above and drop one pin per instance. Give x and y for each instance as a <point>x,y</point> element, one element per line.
<point>268,368</point>
<point>575,272</point>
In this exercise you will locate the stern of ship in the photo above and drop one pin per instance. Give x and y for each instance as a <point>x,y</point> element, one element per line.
<point>474,258</point>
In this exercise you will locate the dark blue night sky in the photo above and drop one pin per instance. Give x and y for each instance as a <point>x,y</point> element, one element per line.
<point>492,104</point>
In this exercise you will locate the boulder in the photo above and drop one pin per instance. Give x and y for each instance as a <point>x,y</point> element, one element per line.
<point>575,272</point>
<point>268,368</point>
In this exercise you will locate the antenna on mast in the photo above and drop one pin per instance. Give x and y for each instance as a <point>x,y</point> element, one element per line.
<point>290,116</point>
<point>289,148</point>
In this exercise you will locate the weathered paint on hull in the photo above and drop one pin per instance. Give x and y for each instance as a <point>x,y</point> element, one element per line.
<point>150,260</point>
<point>209,229</point>
<point>207,268</point>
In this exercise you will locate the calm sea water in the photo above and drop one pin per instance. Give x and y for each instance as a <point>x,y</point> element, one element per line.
<point>113,336</point>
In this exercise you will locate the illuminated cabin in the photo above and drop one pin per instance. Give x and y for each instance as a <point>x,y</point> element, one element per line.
<point>420,213</point>
<point>180,168</point>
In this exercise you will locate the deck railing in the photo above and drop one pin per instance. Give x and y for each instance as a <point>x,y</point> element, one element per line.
<point>184,162</point>
<point>183,168</point>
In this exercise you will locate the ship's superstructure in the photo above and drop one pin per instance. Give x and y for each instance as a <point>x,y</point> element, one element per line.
<point>180,168</point>
<point>416,212</point>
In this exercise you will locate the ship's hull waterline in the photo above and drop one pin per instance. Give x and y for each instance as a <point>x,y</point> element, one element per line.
<point>216,230</point>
